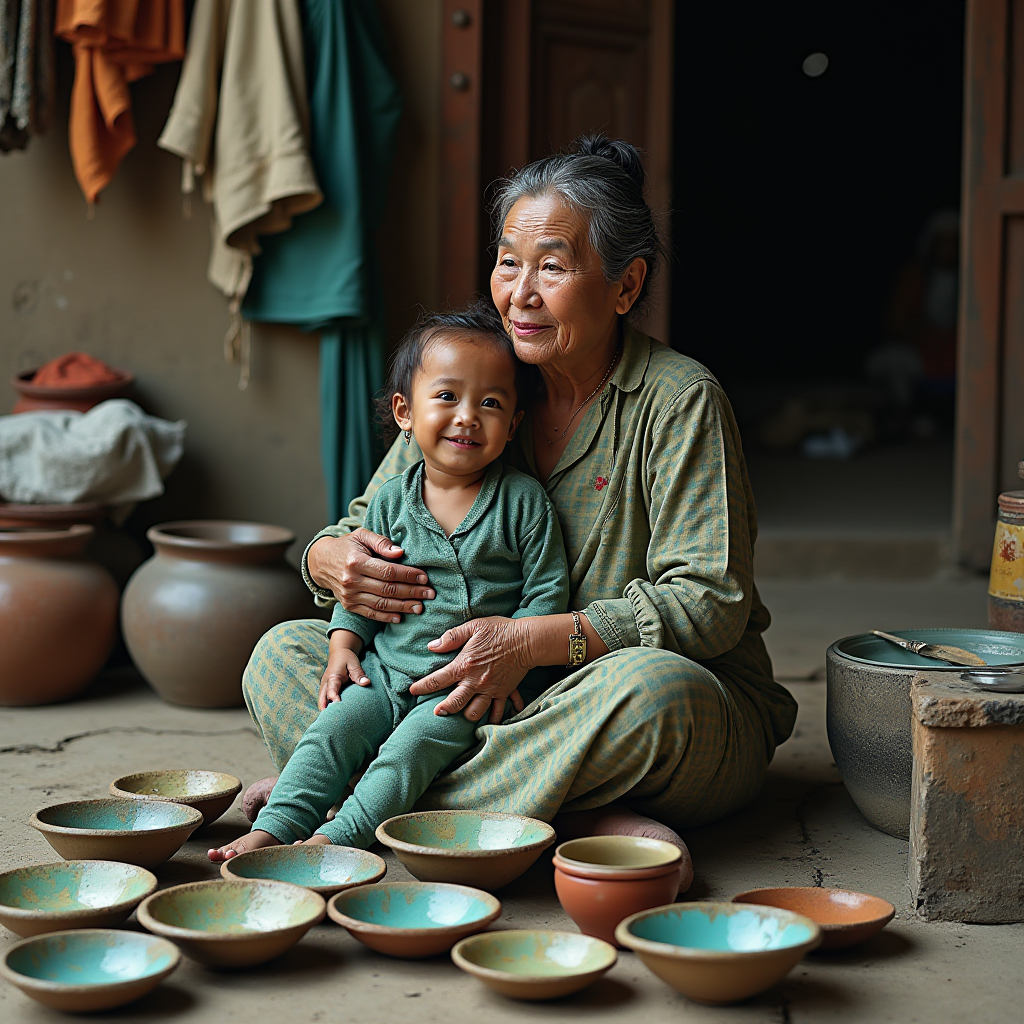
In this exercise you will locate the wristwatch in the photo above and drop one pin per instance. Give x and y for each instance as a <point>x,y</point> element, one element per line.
<point>577,643</point>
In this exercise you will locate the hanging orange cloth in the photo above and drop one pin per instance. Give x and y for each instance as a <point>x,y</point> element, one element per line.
<point>115,42</point>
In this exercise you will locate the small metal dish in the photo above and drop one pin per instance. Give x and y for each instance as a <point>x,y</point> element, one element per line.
<point>1006,680</point>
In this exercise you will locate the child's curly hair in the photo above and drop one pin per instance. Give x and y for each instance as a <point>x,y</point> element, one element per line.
<point>479,319</point>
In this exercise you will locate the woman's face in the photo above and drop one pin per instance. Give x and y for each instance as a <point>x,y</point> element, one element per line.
<point>548,283</point>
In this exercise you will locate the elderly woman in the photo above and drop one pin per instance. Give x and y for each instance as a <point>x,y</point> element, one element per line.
<point>651,705</point>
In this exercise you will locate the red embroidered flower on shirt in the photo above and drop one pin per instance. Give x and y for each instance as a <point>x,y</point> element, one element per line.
<point>600,483</point>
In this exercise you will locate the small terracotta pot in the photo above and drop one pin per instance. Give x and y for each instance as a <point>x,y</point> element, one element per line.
<point>34,397</point>
<point>58,614</point>
<point>600,880</point>
<point>193,613</point>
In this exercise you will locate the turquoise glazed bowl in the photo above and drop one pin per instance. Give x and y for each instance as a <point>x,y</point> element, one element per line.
<point>534,964</point>
<point>89,970</point>
<point>719,952</point>
<point>71,894</point>
<point>210,793</point>
<point>324,869</point>
<point>143,832</point>
<point>235,923</point>
<point>413,919</point>
<point>483,849</point>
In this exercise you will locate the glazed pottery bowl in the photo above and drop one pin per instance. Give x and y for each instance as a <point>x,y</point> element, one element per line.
<point>845,918</point>
<point>71,894</point>
<point>478,848</point>
<point>602,879</point>
<point>534,964</point>
<point>210,793</point>
<point>143,832</point>
<point>235,923</point>
<point>324,869</point>
<point>719,953</point>
<point>413,919</point>
<point>89,970</point>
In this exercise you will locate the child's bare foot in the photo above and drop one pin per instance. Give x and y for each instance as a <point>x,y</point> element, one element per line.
<point>316,839</point>
<point>255,840</point>
<point>256,797</point>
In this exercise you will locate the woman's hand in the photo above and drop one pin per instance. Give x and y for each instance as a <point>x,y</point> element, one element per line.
<point>485,673</point>
<point>343,667</point>
<point>355,568</point>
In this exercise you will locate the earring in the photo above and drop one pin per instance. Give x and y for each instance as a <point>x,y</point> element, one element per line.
<point>408,436</point>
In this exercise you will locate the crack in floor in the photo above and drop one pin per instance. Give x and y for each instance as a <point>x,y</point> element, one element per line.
<point>61,745</point>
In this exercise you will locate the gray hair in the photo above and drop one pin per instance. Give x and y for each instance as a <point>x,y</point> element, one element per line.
<point>603,179</point>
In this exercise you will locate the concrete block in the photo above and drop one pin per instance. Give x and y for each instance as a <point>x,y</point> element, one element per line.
<point>967,802</point>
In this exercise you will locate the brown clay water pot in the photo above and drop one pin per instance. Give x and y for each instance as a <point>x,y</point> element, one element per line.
<point>192,614</point>
<point>81,398</point>
<point>58,614</point>
<point>601,880</point>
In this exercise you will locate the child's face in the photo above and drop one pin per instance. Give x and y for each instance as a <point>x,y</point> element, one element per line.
<point>462,410</point>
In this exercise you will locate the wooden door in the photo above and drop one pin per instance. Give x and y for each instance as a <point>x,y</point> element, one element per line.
<point>523,79</point>
<point>990,377</point>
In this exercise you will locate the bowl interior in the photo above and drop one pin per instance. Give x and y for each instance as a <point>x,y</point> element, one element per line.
<point>177,784</point>
<point>467,830</point>
<point>413,905</point>
<point>308,866</point>
<point>619,852</point>
<point>124,815</point>
<point>99,957</point>
<point>234,908</point>
<point>74,885</point>
<point>723,927</point>
<point>995,647</point>
<point>824,906</point>
<point>537,953</point>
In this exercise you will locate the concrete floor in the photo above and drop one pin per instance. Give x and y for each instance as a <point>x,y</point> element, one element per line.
<point>803,830</point>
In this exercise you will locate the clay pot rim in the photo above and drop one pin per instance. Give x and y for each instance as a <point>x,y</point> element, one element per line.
<point>172,931</point>
<point>613,874</point>
<point>227,784</point>
<point>470,967</point>
<point>73,531</point>
<point>192,822</point>
<point>326,891</point>
<point>353,924</point>
<point>672,855</point>
<point>90,511</point>
<point>22,383</point>
<point>27,914</point>
<point>43,985</point>
<point>272,536</point>
<point>456,853</point>
<point>626,938</point>
<point>881,919</point>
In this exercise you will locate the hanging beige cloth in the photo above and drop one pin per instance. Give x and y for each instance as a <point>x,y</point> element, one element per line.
<point>241,120</point>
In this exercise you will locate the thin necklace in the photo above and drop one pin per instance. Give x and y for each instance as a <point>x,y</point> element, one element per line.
<point>604,380</point>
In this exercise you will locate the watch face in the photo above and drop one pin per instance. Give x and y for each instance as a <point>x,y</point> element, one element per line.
<point>577,649</point>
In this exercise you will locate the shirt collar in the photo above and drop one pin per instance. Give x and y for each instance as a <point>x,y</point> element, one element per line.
<point>636,354</point>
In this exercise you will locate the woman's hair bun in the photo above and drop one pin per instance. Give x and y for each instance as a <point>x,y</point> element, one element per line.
<point>620,152</point>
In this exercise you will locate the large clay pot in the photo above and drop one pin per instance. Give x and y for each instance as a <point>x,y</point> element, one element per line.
<point>58,614</point>
<point>192,614</point>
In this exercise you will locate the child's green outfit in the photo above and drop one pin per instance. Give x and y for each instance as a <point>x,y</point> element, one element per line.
<point>505,558</point>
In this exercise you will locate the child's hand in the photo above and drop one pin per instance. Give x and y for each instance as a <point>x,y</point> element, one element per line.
<point>343,667</point>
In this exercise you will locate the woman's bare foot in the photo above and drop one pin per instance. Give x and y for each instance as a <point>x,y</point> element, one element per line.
<point>255,840</point>
<point>616,820</point>
<point>256,797</point>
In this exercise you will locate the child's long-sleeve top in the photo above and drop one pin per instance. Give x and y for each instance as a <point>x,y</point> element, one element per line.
<point>505,558</point>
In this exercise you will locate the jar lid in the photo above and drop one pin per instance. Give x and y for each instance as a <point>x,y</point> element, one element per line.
<point>1012,501</point>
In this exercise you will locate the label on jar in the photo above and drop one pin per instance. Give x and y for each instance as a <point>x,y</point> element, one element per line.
<point>1006,580</point>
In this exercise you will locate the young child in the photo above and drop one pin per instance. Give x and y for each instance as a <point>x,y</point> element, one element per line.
<point>488,538</point>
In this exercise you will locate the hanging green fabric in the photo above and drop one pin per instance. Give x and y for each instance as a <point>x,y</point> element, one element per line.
<point>322,274</point>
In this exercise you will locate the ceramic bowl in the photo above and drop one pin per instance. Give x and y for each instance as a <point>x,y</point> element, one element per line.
<point>534,964</point>
<point>602,879</point>
<point>324,869</point>
<point>210,793</point>
<point>143,832</point>
<point>232,923</point>
<point>88,970</point>
<point>845,918</point>
<point>71,894</point>
<point>413,919</point>
<point>484,849</point>
<point>719,953</point>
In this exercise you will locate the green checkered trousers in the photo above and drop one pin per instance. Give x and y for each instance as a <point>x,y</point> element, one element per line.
<point>681,718</point>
